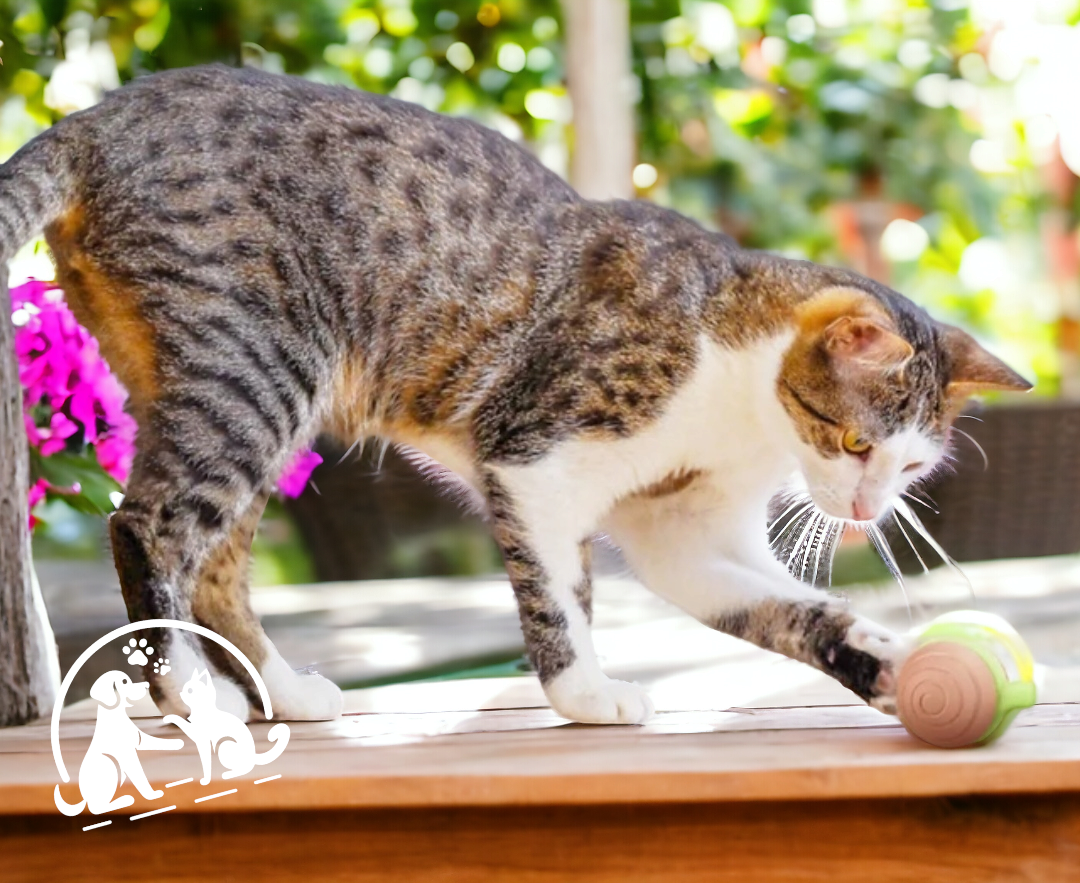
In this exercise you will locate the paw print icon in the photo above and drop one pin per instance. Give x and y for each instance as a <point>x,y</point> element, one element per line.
<point>139,653</point>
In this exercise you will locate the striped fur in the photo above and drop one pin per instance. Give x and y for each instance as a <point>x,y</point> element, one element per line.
<point>263,258</point>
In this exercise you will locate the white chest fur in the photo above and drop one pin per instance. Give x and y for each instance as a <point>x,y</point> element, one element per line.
<point>725,421</point>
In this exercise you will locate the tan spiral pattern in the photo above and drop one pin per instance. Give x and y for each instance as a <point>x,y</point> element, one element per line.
<point>947,695</point>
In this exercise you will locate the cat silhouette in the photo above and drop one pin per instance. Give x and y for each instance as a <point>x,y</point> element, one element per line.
<point>212,729</point>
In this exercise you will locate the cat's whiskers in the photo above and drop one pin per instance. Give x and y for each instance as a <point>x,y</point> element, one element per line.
<point>808,534</point>
<point>914,520</point>
<point>802,537</point>
<point>877,537</point>
<point>797,499</point>
<point>806,542</point>
<point>820,538</point>
<point>384,447</point>
<point>813,541</point>
<point>836,534</point>
<point>791,522</point>
<point>915,499</point>
<point>986,460</point>
<point>910,542</point>
<point>837,538</point>
<point>358,443</point>
<point>822,528</point>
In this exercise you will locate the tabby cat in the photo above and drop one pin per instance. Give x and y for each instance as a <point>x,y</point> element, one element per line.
<point>264,258</point>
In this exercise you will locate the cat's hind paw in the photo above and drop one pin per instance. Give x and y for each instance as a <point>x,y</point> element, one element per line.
<point>297,696</point>
<point>605,701</point>
<point>307,697</point>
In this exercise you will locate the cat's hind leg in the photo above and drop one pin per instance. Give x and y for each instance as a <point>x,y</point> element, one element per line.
<point>222,603</point>
<point>159,538</point>
<point>543,539</point>
<point>196,473</point>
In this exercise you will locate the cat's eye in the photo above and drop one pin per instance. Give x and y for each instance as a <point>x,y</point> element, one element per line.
<point>854,443</point>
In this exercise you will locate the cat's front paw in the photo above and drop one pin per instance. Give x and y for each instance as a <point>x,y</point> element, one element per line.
<point>890,651</point>
<point>598,700</point>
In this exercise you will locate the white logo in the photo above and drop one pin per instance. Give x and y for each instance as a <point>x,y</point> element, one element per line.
<point>113,755</point>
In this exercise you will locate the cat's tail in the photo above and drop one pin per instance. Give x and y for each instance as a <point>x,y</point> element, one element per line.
<point>65,807</point>
<point>36,186</point>
<point>279,735</point>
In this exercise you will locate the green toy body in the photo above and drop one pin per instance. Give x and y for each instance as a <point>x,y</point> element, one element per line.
<point>1002,650</point>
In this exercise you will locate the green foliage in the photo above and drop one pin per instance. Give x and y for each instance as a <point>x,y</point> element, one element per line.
<point>799,126</point>
<point>279,556</point>
<point>797,133</point>
<point>66,470</point>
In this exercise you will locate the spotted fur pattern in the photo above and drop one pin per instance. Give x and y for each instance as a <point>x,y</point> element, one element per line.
<point>263,258</point>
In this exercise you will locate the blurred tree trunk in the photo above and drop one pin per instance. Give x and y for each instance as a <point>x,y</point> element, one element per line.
<point>29,668</point>
<point>598,71</point>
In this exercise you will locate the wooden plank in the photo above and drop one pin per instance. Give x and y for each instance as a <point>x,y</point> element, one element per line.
<point>1036,840</point>
<point>531,756</point>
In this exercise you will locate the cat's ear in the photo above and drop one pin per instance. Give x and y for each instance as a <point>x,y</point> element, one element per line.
<point>866,342</point>
<point>973,370</point>
<point>205,676</point>
<point>854,329</point>
<point>194,675</point>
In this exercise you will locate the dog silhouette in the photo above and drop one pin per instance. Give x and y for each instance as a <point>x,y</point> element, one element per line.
<point>114,750</point>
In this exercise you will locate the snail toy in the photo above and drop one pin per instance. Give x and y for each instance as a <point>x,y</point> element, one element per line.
<point>968,677</point>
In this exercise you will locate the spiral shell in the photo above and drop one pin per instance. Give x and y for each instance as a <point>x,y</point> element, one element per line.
<point>946,695</point>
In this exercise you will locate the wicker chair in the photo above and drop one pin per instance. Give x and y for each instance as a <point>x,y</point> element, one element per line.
<point>1026,502</point>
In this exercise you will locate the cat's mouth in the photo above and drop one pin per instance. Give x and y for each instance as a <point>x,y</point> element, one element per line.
<point>863,511</point>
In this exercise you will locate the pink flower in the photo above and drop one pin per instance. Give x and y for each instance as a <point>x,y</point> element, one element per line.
<point>68,390</point>
<point>56,436</point>
<point>297,472</point>
<point>116,450</point>
<point>37,494</point>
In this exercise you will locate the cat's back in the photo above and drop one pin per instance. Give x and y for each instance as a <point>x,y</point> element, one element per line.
<point>209,191</point>
<point>208,129</point>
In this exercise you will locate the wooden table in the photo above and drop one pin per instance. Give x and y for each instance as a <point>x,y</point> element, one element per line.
<point>754,769</point>
<point>491,792</point>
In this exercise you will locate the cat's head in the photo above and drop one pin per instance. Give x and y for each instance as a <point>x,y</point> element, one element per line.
<point>199,689</point>
<point>871,386</point>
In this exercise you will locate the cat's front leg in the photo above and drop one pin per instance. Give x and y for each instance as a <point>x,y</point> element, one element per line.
<point>710,561</point>
<point>546,554</point>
